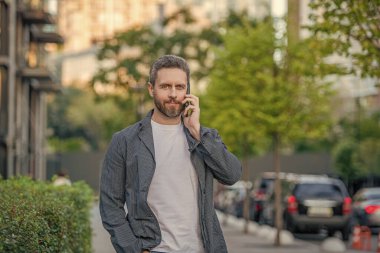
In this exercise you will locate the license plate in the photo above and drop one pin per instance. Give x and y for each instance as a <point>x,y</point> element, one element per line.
<point>319,211</point>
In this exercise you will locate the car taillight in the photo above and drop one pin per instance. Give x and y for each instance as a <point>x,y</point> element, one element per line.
<point>347,205</point>
<point>292,204</point>
<point>258,207</point>
<point>371,209</point>
<point>260,195</point>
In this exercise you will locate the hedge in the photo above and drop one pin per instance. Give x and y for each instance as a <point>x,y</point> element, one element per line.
<point>37,216</point>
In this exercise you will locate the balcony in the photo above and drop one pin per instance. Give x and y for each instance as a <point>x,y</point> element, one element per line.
<point>36,17</point>
<point>45,86</point>
<point>40,79</point>
<point>35,11</point>
<point>39,36</point>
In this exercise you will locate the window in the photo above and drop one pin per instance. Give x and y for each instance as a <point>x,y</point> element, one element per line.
<point>4,35</point>
<point>3,101</point>
<point>329,191</point>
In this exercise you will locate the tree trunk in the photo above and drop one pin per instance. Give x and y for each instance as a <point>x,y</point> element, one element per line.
<point>277,190</point>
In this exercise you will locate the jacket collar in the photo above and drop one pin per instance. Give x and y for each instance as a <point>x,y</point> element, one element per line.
<point>146,134</point>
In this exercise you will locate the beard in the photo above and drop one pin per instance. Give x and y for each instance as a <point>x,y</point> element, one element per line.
<point>169,111</point>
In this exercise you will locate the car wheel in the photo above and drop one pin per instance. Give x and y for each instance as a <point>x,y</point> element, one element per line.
<point>331,233</point>
<point>290,226</point>
<point>346,233</point>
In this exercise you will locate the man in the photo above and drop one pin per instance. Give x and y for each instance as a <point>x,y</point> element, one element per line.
<point>163,168</point>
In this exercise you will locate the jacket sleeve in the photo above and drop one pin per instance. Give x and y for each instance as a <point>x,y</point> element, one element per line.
<point>224,165</point>
<point>112,198</point>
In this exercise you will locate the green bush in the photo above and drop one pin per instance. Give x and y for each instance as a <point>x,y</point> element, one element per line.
<point>36,216</point>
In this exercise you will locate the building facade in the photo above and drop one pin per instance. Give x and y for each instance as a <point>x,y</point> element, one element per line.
<point>27,30</point>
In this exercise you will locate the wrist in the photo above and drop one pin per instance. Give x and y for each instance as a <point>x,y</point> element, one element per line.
<point>196,132</point>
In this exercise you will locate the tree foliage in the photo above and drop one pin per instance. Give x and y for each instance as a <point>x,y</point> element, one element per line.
<point>80,121</point>
<point>252,95</point>
<point>353,30</point>
<point>344,153</point>
<point>357,148</point>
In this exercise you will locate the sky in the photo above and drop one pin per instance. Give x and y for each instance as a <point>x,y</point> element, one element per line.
<point>278,7</point>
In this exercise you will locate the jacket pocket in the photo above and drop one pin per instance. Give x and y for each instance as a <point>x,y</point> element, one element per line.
<point>125,239</point>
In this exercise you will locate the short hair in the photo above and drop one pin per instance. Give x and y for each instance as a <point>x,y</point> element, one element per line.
<point>168,61</point>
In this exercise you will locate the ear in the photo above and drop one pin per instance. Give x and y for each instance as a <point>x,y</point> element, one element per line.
<point>150,89</point>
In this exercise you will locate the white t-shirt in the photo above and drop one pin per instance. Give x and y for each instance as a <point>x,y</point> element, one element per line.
<point>173,192</point>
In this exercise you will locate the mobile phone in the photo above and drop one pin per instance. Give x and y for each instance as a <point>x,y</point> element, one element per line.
<point>190,111</point>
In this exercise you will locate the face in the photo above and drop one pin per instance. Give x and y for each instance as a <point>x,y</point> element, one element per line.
<point>169,91</point>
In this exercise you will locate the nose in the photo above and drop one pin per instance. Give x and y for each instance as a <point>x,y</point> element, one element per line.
<point>172,93</point>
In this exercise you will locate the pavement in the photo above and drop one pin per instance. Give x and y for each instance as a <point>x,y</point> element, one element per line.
<point>237,241</point>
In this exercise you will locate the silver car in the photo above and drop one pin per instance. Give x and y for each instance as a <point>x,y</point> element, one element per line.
<point>366,207</point>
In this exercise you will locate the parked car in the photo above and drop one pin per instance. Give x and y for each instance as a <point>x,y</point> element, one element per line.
<point>262,190</point>
<point>268,210</point>
<point>259,194</point>
<point>311,203</point>
<point>366,207</point>
<point>229,199</point>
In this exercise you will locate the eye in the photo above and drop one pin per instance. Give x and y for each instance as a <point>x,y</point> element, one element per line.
<point>180,87</point>
<point>165,86</point>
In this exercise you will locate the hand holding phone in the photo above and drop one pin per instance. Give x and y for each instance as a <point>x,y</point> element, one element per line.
<point>190,111</point>
<point>192,123</point>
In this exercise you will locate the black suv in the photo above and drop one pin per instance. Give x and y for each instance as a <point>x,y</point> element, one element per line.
<point>318,202</point>
<point>312,203</point>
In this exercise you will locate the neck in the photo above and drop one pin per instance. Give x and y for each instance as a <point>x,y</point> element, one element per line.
<point>160,118</point>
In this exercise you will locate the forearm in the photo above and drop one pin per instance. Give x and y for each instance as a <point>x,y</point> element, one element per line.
<point>224,165</point>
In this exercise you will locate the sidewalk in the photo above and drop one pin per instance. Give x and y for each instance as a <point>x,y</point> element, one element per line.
<point>237,241</point>
<point>100,238</point>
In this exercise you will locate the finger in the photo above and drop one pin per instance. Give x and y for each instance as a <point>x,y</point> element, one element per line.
<point>186,100</point>
<point>192,96</point>
<point>191,101</point>
<point>189,110</point>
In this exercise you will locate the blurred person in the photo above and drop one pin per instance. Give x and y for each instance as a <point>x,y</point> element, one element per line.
<point>162,168</point>
<point>62,178</point>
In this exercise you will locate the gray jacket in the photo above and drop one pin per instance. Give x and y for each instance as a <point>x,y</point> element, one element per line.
<point>127,172</point>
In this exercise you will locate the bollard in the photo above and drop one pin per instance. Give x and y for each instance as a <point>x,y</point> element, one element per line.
<point>356,240</point>
<point>366,238</point>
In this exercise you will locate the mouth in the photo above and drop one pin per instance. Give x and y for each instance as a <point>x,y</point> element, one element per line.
<point>172,103</point>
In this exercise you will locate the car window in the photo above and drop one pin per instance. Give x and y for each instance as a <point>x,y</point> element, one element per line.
<point>358,196</point>
<point>266,183</point>
<point>373,196</point>
<point>303,191</point>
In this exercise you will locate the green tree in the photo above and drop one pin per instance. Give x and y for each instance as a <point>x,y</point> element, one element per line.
<point>81,121</point>
<point>357,151</point>
<point>343,154</point>
<point>353,30</point>
<point>367,157</point>
<point>263,92</point>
